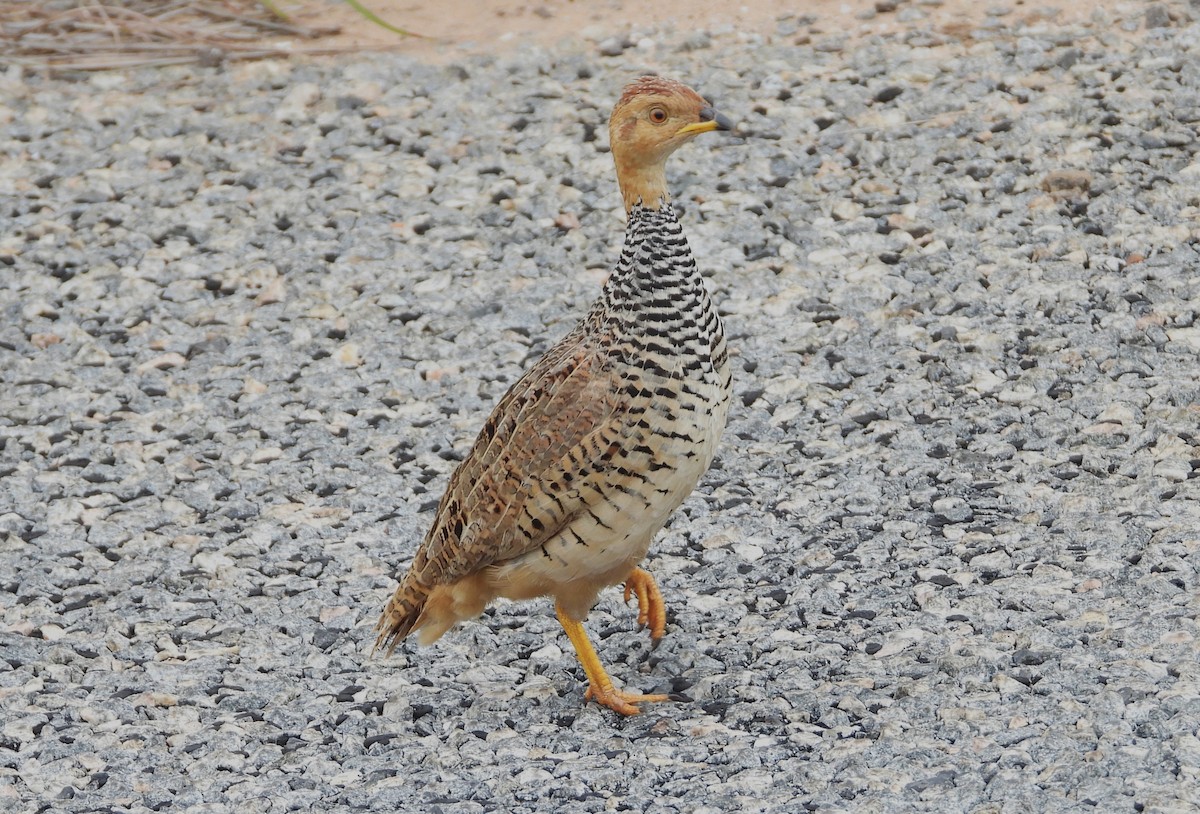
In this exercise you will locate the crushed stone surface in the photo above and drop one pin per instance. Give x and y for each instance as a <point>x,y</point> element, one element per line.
<point>252,316</point>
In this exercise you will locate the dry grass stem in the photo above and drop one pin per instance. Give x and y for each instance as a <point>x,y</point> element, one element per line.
<point>91,35</point>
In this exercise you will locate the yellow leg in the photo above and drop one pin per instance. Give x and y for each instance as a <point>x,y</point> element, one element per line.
<point>652,611</point>
<point>600,687</point>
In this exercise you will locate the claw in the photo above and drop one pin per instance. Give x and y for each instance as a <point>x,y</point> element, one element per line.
<point>626,703</point>
<point>652,612</point>
<point>643,617</point>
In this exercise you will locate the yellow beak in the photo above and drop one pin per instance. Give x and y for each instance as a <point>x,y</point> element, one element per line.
<point>696,127</point>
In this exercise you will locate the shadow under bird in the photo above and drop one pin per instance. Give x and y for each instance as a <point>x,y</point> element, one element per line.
<point>587,455</point>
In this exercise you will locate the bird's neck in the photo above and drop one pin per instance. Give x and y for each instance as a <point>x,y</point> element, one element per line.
<point>656,272</point>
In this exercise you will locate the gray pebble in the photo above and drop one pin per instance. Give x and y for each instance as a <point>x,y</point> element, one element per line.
<point>1158,16</point>
<point>612,47</point>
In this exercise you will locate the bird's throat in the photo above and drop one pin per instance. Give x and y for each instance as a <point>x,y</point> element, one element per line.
<point>646,185</point>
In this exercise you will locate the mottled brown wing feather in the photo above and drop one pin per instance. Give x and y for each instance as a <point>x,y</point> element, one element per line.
<point>514,490</point>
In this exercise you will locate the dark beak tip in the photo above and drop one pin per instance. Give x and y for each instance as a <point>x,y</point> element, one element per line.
<point>710,114</point>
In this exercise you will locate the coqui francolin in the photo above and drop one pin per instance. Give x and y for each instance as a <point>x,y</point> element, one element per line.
<point>587,455</point>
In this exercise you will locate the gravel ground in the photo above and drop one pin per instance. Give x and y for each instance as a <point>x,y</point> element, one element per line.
<point>946,559</point>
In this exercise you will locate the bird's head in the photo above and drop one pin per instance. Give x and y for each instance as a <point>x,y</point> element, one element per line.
<point>654,117</point>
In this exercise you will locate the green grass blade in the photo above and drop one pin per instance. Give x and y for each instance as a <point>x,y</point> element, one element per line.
<point>270,6</point>
<point>372,17</point>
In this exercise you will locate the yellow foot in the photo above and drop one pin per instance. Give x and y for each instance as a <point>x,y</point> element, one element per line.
<point>619,700</point>
<point>600,687</point>
<point>652,612</point>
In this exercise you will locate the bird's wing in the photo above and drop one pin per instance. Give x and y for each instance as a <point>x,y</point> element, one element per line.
<point>560,424</point>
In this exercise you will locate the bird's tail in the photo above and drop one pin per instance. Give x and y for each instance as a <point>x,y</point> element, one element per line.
<point>401,614</point>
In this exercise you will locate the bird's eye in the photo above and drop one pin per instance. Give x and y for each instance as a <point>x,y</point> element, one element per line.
<point>658,115</point>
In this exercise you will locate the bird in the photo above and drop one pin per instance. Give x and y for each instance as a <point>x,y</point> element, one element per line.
<point>587,455</point>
